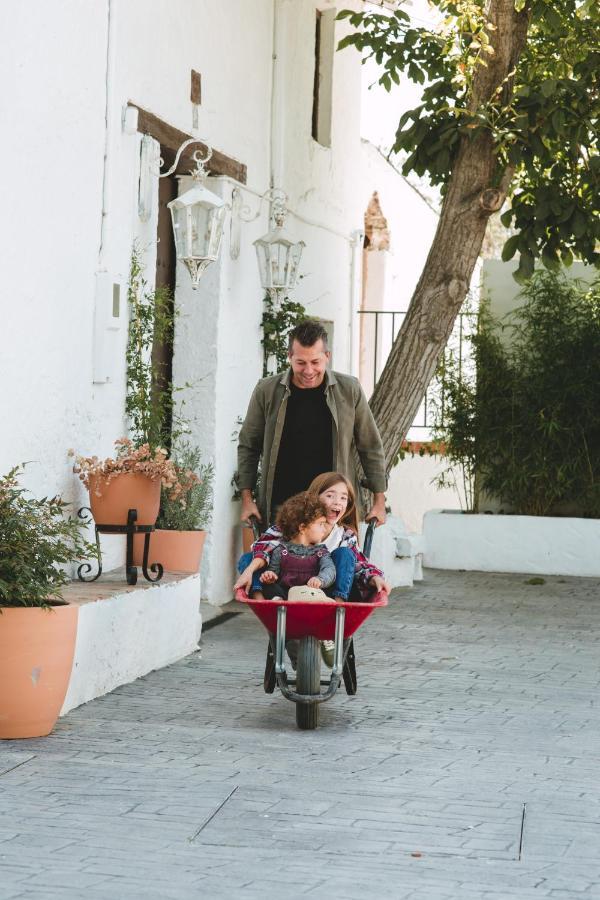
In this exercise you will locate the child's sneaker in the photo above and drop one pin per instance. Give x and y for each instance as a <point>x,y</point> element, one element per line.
<point>328,653</point>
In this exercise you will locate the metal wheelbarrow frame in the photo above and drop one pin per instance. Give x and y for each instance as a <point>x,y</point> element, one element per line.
<point>310,622</point>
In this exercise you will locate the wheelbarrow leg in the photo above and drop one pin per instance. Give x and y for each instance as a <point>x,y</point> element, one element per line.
<point>349,670</point>
<point>269,680</point>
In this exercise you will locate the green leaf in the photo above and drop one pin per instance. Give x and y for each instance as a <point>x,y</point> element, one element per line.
<point>567,257</point>
<point>415,73</point>
<point>550,259</point>
<point>558,121</point>
<point>510,248</point>
<point>578,223</point>
<point>525,270</point>
<point>348,41</point>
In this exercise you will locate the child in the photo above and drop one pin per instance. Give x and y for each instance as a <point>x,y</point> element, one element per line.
<point>301,557</point>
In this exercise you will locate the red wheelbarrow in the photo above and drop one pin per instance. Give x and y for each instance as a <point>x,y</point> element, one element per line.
<point>310,622</point>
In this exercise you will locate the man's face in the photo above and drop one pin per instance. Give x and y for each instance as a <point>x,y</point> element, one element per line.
<point>308,364</point>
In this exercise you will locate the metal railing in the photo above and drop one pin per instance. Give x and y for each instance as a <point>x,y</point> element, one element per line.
<point>379,329</point>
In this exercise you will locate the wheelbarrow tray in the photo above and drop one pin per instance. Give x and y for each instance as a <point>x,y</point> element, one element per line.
<point>312,617</point>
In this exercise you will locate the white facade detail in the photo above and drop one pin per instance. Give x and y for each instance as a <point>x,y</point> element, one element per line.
<point>64,308</point>
<point>130,633</point>
<point>540,545</point>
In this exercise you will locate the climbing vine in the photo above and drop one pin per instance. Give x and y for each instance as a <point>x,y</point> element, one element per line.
<point>277,322</point>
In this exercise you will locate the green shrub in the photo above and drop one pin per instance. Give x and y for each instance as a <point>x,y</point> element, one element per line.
<point>529,424</point>
<point>36,542</point>
<point>196,479</point>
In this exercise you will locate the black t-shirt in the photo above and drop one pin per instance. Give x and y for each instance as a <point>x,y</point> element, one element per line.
<point>306,447</point>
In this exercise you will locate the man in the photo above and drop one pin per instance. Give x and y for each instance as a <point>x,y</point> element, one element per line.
<point>305,422</point>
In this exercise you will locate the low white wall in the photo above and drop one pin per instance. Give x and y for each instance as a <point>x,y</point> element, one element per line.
<point>411,492</point>
<point>533,544</point>
<point>395,552</point>
<point>123,637</point>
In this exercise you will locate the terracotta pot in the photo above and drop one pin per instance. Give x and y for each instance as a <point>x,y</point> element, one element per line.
<point>124,492</point>
<point>36,657</point>
<point>176,551</point>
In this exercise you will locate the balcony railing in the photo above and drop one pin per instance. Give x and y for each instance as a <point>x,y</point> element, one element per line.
<point>378,332</point>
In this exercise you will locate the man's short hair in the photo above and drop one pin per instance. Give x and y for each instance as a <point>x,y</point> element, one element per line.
<point>307,333</point>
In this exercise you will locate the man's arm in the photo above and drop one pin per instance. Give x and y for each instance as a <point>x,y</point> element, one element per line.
<point>370,450</point>
<point>250,443</point>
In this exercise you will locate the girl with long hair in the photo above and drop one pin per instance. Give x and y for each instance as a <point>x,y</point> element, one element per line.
<point>356,577</point>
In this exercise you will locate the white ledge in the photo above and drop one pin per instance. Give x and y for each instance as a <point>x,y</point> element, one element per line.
<point>126,631</point>
<point>540,545</point>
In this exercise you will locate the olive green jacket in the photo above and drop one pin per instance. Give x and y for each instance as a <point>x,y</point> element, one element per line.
<point>353,426</point>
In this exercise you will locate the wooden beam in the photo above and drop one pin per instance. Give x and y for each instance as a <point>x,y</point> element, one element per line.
<point>196,87</point>
<point>172,138</point>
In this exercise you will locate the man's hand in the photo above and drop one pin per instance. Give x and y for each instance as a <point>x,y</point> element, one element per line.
<point>268,577</point>
<point>249,507</point>
<point>314,582</point>
<point>379,584</point>
<point>377,511</point>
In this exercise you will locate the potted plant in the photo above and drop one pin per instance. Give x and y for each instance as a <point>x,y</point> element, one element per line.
<point>37,627</point>
<point>178,540</point>
<point>132,479</point>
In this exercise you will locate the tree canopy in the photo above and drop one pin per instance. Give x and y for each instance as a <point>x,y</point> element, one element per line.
<point>543,117</point>
<point>508,114</point>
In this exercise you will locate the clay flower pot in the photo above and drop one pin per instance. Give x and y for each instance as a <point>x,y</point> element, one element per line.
<point>36,658</point>
<point>129,490</point>
<point>176,551</point>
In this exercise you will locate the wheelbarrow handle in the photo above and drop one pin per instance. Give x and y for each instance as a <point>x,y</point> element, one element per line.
<point>255,527</point>
<point>371,526</point>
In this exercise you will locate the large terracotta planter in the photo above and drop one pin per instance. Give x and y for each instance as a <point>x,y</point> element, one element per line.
<point>124,492</point>
<point>36,657</point>
<point>176,551</point>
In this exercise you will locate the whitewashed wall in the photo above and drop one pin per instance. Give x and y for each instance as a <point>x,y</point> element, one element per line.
<point>70,181</point>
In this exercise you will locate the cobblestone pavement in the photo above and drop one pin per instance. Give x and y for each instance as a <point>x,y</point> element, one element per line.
<point>466,767</point>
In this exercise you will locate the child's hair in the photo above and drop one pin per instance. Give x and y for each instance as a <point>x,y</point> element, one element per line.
<point>301,509</point>
<point>324,482</point>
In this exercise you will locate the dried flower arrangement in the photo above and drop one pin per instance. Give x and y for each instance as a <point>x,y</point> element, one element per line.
<point>137,460</point>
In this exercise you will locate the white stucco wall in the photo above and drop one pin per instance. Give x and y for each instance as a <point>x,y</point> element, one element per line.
<point>52,186</point>
<point>63,354</point>
<point>503,293</point>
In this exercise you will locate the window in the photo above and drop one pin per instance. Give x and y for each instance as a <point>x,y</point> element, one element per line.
<point>323,82</point>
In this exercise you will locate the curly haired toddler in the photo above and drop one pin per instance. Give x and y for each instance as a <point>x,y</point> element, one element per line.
<point>301,558</point>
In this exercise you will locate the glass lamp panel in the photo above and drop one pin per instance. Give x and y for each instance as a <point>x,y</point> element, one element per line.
<point>179,217</point>
<point>200,230</point>
<point>217,218</point>
<point>280,265</point>
<point>263,264</point>
<point>294,262</point>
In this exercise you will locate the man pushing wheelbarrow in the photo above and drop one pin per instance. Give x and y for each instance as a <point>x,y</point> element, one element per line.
<point>297,422</point>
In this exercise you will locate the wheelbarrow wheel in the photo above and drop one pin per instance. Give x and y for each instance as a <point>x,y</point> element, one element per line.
<point>308,681</point>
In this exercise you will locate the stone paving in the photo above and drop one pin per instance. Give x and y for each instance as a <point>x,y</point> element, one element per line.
<point>466,767</point>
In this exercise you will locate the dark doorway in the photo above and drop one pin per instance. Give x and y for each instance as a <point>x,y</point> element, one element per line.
<point>162,345</point>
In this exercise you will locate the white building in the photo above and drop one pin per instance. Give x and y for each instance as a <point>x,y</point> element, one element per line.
<point>280,109</point>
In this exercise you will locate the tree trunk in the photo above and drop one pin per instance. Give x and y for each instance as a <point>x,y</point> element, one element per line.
<point>475,190</point>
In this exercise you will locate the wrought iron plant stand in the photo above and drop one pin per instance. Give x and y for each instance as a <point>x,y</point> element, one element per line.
<point>130,529</point>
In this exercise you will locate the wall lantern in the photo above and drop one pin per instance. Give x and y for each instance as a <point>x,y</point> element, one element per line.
<point>197,217</point>
<point>278,255</point>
